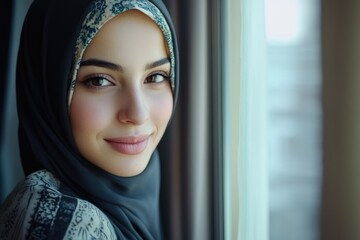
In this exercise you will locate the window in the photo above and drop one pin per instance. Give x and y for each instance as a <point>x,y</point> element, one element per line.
<point>273,120</point>
<point>294,118</point>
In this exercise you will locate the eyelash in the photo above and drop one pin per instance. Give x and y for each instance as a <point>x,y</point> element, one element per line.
<point>89,82</point>
<point>151,79</point>
<point>165,77</point>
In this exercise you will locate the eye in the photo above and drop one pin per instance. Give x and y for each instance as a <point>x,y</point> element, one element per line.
<point>98,82</point>
<point>157,78</point>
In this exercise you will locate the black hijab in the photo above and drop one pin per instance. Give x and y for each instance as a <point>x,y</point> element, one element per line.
<point>44,67</point>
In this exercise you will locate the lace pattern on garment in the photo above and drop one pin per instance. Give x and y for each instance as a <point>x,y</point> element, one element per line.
<point>37,210</point>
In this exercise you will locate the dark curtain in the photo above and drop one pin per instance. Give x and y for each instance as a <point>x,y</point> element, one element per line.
<point>341,101</point>
<point>192,170</point>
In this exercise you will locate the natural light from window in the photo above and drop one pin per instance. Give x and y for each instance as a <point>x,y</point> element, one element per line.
<point>283,20</point>
<point>294,118</point>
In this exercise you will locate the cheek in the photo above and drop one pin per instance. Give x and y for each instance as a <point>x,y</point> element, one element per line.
<point>162,106</point>
<point>88,115</point>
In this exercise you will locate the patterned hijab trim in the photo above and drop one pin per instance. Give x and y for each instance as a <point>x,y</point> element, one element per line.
<point>101,12</point>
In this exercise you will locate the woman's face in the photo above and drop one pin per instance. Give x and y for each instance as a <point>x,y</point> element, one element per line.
<point>122,100</point>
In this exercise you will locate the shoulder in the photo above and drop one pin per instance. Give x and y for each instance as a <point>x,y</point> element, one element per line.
<point>20,206</point>
<point>37,209</point>
<point>89,222</point>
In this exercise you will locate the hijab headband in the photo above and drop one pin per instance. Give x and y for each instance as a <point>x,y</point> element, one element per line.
<point>101,11</point>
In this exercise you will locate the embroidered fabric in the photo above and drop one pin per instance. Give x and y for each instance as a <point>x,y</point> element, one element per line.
<point>36,205</point>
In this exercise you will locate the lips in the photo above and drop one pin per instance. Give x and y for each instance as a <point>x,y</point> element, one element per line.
<point>130,145</point>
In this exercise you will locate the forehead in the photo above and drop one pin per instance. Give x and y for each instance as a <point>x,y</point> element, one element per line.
<point>128,35</point>
<point>130,24</point>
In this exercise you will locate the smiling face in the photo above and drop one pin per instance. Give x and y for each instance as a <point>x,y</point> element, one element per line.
<point>122,100</point>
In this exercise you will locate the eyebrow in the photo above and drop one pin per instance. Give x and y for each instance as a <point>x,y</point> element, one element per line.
<point>116,67</point>
<point>157,63</point>
<point>101,63</point>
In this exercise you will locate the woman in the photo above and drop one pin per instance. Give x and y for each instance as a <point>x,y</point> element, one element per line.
<point>96,85</point>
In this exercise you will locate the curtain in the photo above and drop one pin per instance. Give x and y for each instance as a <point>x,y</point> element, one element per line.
<point>217,160</point>
<point>217,138</point>
<point>246,178</point>
<point>192,170</point>
<point>341,99</point>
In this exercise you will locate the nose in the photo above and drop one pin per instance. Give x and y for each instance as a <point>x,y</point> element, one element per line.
<point>134,109</point>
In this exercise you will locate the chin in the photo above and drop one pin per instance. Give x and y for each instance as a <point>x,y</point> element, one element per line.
<point>131,166</point>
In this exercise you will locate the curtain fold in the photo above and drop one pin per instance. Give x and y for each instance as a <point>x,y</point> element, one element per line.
<point>246,178</point>
<point>192,182</point>
<point>216,61</point>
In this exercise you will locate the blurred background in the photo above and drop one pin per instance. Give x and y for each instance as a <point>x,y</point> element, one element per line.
<point>263,144</point>
<point>294,79</point>
<point>12,15</point>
